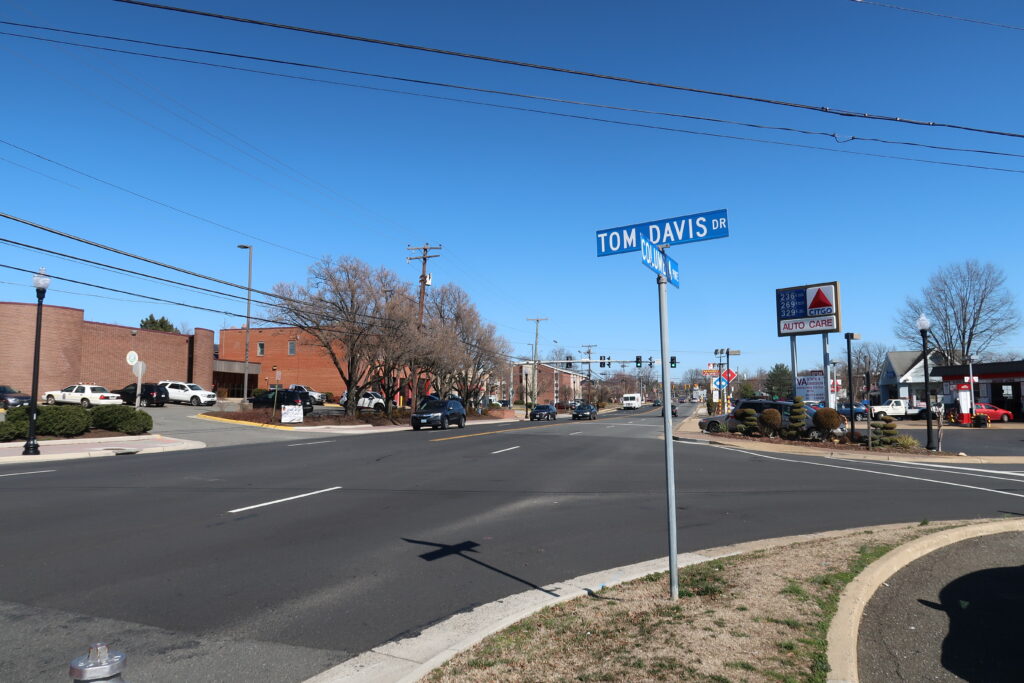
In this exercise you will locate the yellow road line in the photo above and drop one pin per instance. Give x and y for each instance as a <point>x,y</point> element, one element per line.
<point>496,431</point>
<point>244,422</point>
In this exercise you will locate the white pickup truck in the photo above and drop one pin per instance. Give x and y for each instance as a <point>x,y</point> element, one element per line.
<point>898,408</point>
<point>314,396</point>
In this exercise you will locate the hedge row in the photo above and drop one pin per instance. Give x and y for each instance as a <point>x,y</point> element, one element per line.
<point>74,420</point>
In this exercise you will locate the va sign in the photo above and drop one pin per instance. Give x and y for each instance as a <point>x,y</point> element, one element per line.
<point>659,261</point>
<point>679,230</point>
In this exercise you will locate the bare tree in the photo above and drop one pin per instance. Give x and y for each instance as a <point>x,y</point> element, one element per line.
<point>338,309</point>
<point>868,357</point>
<point>970,307</point>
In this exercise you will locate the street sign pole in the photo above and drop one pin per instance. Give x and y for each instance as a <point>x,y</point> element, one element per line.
<point>670,469</point>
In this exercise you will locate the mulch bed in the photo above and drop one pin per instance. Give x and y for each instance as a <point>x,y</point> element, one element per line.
<point>824,445</point>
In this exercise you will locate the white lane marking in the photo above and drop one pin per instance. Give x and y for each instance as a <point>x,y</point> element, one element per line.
<point>574,433</point>
<point>18,474</point>
<point>504,450</point>
<point>283,500</point>
<point>961,468</point>
<point>309,443</point>
<point>924,466</point>
<point>881,474</point>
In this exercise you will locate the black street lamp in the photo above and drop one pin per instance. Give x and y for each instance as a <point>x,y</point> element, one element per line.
<point>41,281</point>
<point>923,325</point>
<point>850,337</point>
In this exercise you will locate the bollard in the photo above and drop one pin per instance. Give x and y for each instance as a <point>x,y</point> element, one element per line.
<point>98,664</point>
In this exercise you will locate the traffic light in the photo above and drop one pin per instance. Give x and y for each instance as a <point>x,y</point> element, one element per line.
<point>672,361</point>
<point>639,362</point>
<point>602,362</point>
<point>650,361</point>
<point>568,365</point>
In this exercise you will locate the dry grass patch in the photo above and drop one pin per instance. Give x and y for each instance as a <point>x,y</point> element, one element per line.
<point>758,617</point>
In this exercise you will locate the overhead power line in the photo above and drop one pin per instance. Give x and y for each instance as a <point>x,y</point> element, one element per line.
<point>840,138</point>
<point>576,72</point>
<point>939,15</point>
<point>582,117</point>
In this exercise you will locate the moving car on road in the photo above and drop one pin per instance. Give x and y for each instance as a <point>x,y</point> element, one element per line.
<point>544,412</point>
<point>283,397</point>
<point>183,392</point>
<point>584,411</point>
<point>439,414</point>
<point>631,401</point>
<point>675,411</point>
<point>12,398</point>
<point>85,394</point>
<point>152,395</point>
<point>994,413</point>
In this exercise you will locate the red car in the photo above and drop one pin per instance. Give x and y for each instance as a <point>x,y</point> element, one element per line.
<point>993,412</point>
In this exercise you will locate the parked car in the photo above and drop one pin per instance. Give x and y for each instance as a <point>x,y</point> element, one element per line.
<point>152,394</point>
<point>675,411</point>
<point>994,413</point>
<point>12,398</point>
<point>439,414</point>
<point>900,408</point>
<point>369,400</point>
<point>315,396</point>
<point>183,392</point>
<point>544,412</point>
<point>584,411</point>
<point>860,412</point>
<point>85,394</point>
<point>283,397</point>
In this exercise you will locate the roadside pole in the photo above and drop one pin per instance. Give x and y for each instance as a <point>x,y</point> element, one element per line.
<point>670,468</point>
<point>792,360</point>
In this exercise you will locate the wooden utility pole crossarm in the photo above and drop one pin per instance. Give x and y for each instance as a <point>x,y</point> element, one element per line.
<point>425,249</point>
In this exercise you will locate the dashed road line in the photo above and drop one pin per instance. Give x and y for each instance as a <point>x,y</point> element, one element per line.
<point>310,443</point>
<point>504,450</point>
<point>282,500</point>
<point>574,433</point>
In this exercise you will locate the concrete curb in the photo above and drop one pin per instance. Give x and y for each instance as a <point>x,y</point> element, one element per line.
<point>179,445</point>
<point>844,630</point>
<point>242,422</point>
<point>410,659</point>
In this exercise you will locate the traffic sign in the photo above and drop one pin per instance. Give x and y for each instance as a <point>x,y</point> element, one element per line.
<point>139,369</point>
<point>720,383</point>
<point>680,230</point>
<point>659,261</point>
<point>132,358</point>
<point>729,375</point>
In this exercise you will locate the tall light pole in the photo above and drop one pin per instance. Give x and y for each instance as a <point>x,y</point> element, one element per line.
<point>850,336</point>
<point>923,325</point>
<point>40,281</point>
<point>248,324</point>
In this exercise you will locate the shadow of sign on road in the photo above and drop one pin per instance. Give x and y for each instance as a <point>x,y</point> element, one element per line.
<point>985,609</point>
<point>458,550</point>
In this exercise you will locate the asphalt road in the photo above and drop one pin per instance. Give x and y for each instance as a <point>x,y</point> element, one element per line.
<point>275,560</point>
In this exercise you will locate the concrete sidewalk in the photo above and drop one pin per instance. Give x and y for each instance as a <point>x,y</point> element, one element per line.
<point>69,449</point>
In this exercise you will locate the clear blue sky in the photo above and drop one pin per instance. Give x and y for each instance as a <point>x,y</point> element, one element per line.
<point>516,197</point>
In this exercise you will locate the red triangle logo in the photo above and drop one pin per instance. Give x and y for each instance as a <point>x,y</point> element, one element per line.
<point>820,300</point>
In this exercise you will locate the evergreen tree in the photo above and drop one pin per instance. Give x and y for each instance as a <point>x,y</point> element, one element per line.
<point>778,383</point>
<point>152,323</point>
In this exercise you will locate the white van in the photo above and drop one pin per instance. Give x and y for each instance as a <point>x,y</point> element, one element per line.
<point>631,401</point>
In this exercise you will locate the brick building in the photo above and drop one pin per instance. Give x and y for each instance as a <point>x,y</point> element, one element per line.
<point>296,354</point>
<point>554,385</point>
<point>73,350</point>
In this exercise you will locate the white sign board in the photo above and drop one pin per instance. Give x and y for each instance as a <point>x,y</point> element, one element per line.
<point>132,358</point>
<point>139,369</point>
<point>808,309</point>
<point>812,388</point>
<point>291,413</point>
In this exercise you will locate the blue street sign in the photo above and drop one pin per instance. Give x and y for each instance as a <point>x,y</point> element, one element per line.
<point>720,383</point>
<point>659,261</point>
<point>680,230</point>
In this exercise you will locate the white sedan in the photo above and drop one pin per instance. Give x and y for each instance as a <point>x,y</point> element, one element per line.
<point>85,394</point>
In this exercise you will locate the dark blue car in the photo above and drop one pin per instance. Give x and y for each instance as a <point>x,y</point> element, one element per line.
<point>584,411</point>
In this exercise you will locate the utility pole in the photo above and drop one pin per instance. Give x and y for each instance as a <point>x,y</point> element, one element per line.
<point>588,347</point>
<point>536,340</point>
<point>426,249</point>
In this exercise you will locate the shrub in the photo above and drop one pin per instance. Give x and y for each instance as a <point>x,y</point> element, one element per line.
<point>328,397</point>
<point>19,414</point>
<point>826,420</point>
<point>137,422</point>
<point>13,431</point>
<point>906,441</point>
<point>797,419</point>
<point>109,417</point>
<point>748,421</point>
<point>770,421</point>
<point>63,420</point>
<point>889,434</point>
